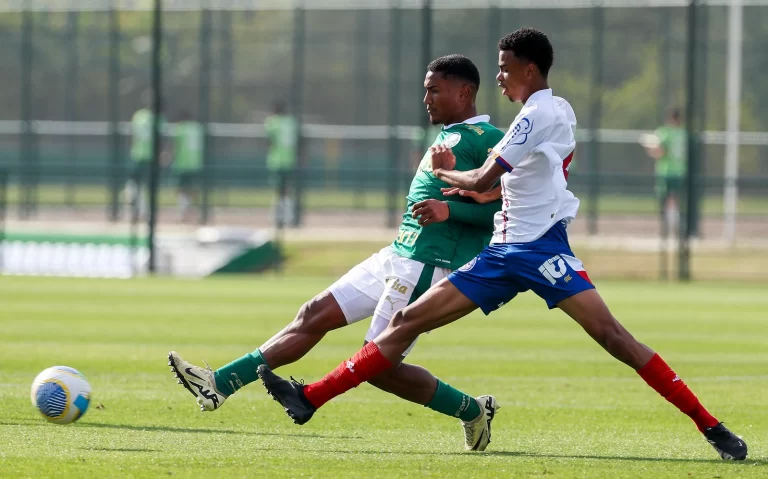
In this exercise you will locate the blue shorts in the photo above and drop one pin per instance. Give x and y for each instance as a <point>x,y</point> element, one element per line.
<point>546,266</point>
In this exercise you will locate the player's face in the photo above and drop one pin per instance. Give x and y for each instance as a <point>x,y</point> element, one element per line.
<point>442,97</point>
<point>514,75</point>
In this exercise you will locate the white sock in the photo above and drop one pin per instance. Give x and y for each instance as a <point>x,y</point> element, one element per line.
<point>183,203</point>
<point>142,201</point>
<point>130,191</point>
<point>288,207</point>
<point>673,220</point>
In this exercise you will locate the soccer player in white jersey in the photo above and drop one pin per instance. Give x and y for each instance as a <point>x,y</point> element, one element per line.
<point>529,251</point>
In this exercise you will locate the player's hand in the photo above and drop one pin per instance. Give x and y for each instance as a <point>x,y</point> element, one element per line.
<point>431,211</point>
<point>487,197</point>
<point>442,158</point>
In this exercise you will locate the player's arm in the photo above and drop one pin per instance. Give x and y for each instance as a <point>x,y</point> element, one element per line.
<point>480,212</point>
<point>477,213</point>
<point>654,144</point>
<point>480,179</point>
<point>436,211</point>
<point>486,197</point>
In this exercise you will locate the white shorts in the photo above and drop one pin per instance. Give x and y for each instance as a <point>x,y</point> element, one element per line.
<point>382,285</point>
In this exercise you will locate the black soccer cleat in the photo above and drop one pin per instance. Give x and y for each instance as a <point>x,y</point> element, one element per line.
<point>290,395</point>
<point>727,444</point>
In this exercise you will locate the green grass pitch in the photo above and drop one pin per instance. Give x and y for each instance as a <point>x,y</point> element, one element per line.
<point>568,409</point>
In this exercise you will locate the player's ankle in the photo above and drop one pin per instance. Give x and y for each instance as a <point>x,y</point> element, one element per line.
<point>223,385</point>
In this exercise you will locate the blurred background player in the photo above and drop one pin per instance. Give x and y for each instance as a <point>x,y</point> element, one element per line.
<point>669,150</point>
<point>187,162</point>
<point>141,154</point>
<point>435,237</point>
<point>283,133</point>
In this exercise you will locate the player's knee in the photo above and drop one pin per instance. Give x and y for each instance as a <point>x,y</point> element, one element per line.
<point>386,381</point>
<point>400,321</point>
<point>311,318</point>
<point>608,335</point>
<point>616,340</point>
<point>403,325</point>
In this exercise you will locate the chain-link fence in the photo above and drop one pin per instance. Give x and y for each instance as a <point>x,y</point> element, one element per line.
<point>74,73</point>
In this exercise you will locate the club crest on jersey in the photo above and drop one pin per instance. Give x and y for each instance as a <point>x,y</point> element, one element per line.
<point>519,132</point>
<point>469,265</point>
<point>451,140</point>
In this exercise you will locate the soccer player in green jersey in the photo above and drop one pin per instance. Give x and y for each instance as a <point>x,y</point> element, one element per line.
<point>435,237</point>
<point>283,133</point>
<point>187,161</point>
<point>669,153</point>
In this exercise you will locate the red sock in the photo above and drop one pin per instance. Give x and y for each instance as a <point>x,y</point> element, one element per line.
<point>367,363</point>
<point>666,382</point>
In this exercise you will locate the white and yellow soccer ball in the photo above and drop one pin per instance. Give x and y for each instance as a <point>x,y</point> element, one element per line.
<point>61,394</point>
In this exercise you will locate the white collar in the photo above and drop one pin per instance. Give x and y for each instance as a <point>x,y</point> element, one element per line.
<point>547,92</point>
<point>471,121</point>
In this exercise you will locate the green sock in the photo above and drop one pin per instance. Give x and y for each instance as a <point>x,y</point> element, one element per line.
<point>238,373</point>
<point>452,402</point>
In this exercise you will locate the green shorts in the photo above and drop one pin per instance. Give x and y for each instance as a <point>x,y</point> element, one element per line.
<point>667,186</point>
<point>188,179</point>
<point>281,179</point>
<point>140,172</point>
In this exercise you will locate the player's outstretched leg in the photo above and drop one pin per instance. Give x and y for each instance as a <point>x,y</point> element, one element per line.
<point>416,384</point>
<point>211,388</point>
<point>441,305</point>
<point>590,311</point>
<point>476,414</point>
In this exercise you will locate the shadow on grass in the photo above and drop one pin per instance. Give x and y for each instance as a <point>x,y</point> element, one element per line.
<point>193,430</point>
<point>748,462</point>
<point>522,454</point>
<point>757,462</point>
<point>118,449</point>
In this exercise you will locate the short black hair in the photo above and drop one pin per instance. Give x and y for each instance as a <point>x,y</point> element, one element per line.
<point>532,45</point>
<point>457,67</point>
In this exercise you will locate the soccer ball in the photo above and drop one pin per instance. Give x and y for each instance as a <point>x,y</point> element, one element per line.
<point>61,394</point>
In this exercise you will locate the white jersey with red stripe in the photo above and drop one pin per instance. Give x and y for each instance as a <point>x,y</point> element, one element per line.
<point>536,152</point>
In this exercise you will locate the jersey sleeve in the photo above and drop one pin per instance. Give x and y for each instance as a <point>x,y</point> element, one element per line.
<point>521,138</point>
<point>474,213</point>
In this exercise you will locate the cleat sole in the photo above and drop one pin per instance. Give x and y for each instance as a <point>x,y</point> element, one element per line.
<point>179,376</point>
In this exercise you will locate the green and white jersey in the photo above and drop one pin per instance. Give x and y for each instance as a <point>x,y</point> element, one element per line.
<point>283,133</point>
<point>141,128</point>
<point>188,147</point>
<point>672,140</point>
<point>468,230</point>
